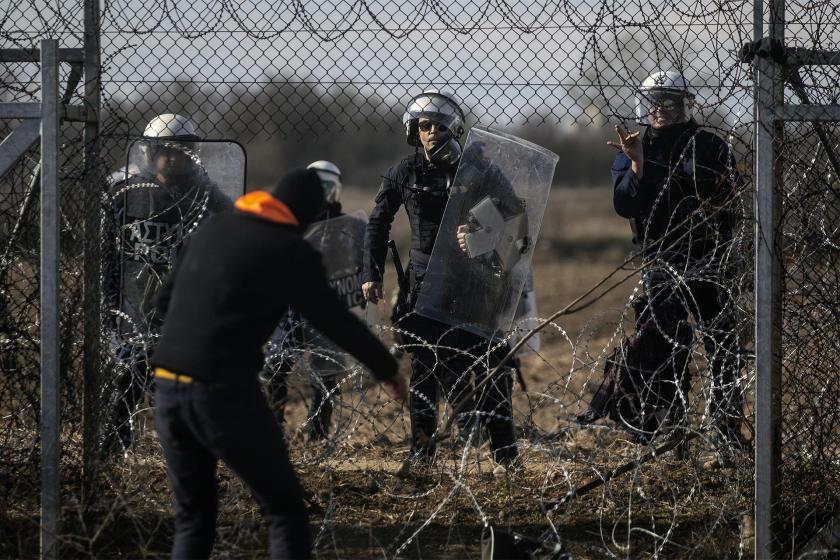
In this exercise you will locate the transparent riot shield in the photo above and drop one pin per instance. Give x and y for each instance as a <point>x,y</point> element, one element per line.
<point>164,193</point>
<point>341,242</point>
<point>525,318</point>
<point>498,196</point>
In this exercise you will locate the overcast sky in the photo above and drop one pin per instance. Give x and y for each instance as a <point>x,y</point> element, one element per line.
<point>508,60</point>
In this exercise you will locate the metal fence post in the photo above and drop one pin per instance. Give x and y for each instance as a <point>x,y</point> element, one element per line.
<point>50,419</point>
<point>92,242</point>
<point>768,133</point>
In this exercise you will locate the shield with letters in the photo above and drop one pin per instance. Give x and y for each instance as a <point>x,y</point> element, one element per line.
<point>340,241</point>
<point>496,200</point>
<point>165,191</point>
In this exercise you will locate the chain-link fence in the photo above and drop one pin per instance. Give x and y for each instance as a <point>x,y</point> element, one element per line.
<point>20,304</point>
<point>305,81</point>
<point>810,202</point>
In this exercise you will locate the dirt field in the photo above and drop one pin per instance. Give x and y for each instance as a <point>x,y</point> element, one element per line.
<point>440,513</point>
<point>664,508</point>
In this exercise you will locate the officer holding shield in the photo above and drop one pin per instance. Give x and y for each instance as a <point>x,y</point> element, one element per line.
<point>338,237</point>
<point>443,356</point>
<point>158,199</point>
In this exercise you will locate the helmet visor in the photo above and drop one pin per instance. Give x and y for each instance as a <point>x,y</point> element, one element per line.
<point>191,150</point>
<point>332,190</point>
<point>436,108</point>
<point>171,158</point>
<point>657,107</point>
<point>449,122</point>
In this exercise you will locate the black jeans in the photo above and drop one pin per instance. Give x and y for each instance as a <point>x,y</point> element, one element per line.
<point>199,424</point>
<point>326,364</point>
<point>132,379</point>
<point>459,362</point>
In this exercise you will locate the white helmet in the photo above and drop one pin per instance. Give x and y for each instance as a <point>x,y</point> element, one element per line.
<point>669,89</point>
<point>171,126</point>
<point>330,176</point>
<point>168,132</point>
<point>434,105</point>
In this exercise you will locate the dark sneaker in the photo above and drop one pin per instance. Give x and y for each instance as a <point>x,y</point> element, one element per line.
<point>310,502</point>
<point>588,417</point>
<point>315,435</point>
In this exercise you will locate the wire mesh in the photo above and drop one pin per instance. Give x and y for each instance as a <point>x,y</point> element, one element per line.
<point>810,203</point>
<point>330,80</point>
<point>20,312</point>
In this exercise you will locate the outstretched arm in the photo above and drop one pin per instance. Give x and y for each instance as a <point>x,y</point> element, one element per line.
<point>320,305</point>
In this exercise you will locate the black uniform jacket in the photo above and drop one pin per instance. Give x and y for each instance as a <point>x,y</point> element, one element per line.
<point>422,188</point>
<point>679,208</point>
<point>145,231</point>
<point>233,282</point>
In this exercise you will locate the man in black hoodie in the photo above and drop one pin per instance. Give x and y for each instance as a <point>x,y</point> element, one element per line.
<point>676,186</point>
<point>229,288</point>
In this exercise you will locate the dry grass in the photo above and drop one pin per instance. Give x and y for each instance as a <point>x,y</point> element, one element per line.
<point>440,512</point>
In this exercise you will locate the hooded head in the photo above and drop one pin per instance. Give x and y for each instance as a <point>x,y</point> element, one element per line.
<point>301,191</point>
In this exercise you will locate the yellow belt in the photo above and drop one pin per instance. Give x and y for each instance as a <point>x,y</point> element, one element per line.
<point>166,374</point>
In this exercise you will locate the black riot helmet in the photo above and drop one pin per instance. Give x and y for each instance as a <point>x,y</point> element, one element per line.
<point>442,109</point>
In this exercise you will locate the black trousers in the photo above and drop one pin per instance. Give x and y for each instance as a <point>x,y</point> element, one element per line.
<point>200,424</point>
<point>132,379</point>
<point>651,372</point>
<point>457,362</point>
<point>326,361</point>
<point>324,395</point>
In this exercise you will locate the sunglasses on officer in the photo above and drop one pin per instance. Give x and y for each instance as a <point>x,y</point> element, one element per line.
<point>665,101</point>
<point>426,126</point>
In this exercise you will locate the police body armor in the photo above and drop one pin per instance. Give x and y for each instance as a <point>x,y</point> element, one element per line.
<point>153,218</point>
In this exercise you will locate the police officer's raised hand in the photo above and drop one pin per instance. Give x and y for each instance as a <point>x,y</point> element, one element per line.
<point>372,291</point>
<point>461,234</point>
<point>397,387</point>
<point>631,144</point>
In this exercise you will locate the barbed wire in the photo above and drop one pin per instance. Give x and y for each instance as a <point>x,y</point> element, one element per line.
<point>608,488</point>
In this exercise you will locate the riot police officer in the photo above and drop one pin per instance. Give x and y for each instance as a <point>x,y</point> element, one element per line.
<point>158,199</point>
<point>676,185</point>
<point>294,337</point>
<point>443,356</point>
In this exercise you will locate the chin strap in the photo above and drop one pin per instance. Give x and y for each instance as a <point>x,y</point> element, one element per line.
<point>446,154</point>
